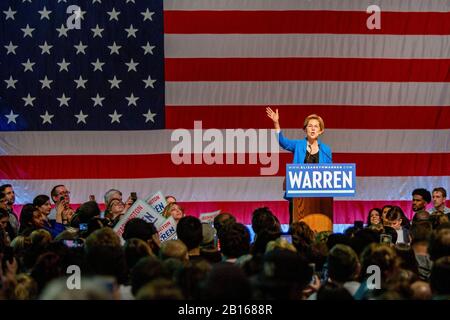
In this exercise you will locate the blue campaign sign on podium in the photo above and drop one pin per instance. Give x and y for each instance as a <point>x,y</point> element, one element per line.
<point>321,180</point>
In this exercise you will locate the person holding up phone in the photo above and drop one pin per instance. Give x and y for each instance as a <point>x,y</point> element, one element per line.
<point>60,194</point>
<point>115,209</point>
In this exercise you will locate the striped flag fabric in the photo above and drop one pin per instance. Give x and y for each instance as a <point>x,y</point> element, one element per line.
<point>384,95</point>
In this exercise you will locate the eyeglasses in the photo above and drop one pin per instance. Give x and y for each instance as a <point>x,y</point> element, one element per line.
<point>65,193</point>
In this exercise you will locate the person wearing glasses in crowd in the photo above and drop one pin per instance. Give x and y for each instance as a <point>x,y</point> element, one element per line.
<point>60,195</point>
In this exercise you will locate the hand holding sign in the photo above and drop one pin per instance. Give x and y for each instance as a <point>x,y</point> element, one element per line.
<point>208,217</point>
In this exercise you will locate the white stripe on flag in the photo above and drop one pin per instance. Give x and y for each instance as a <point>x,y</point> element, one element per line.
<point>307,93</point>
<point>306,45</point>
<point>159,141</point>
<point>341,5</point>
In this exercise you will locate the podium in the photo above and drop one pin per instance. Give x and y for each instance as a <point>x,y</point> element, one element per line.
<point>312,187</point>
<point>317,213</point>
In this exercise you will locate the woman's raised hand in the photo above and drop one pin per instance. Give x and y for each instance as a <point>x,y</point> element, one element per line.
<point>274,116</point>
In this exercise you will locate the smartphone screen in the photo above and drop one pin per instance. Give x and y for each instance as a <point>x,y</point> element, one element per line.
<point>75,243</point>
<point>83,226</point>
<point>287,237</point>
<point>133,196</point>
<point>386,238</point>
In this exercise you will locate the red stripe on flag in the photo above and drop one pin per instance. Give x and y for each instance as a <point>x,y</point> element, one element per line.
<point>336,117</point>
<point>160,165</point>
<point>307,69</point>
<point>333,22</point>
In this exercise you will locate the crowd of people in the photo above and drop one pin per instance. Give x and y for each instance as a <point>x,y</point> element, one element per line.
<point>54,252</point>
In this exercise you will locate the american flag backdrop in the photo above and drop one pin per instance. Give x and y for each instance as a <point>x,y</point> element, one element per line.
<point>94,108</point>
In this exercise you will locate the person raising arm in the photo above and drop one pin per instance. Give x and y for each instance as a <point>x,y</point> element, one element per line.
<point>308,150</point>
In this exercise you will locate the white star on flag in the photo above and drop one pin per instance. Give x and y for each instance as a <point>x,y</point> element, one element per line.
<point>11,83</point>
<point>113,14</point>
<point>11,117</point>
<point>115,117</point>
<point>98,100</point>
<point>80,83</point>
<point>131,32</point>
<point>46,118</point>
<point>63,100</point>
<point>148,49</point>
<point>28,66</point>
<point>27,31</point>
<point>98,65</point>
<point>132,65</point>
<point>97,31</point>
<point>9,14</point>
<point>149,116</point>
<point>63,65</point>
<point>132,99</point>
<point>148,15</point>
<point>114,48</point>
<point>62,31</point>
<point>29,100</point>
<point>149,82</point>
<point>81,117</point>
<point>11,48</point>
<point>115,82</point>
<point>80,48</point>
<point>45,83</point>
<point>45,13</point>
<point>45,48</point>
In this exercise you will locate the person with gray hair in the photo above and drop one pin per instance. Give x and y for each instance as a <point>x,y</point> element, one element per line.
<point>90,288</point>
<point>112,193</point>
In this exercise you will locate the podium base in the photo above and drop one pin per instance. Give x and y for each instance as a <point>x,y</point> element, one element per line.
<point>316,212</point>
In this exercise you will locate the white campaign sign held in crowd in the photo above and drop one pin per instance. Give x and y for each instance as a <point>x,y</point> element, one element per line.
<point>168,230</point>
<point>208,217</point>
<point>140,209</point>
<point>157,201</point>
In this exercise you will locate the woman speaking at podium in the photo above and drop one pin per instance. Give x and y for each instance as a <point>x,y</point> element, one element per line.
<point>308,150</point>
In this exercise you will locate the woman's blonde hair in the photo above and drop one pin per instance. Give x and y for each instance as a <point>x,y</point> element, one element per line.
<point>314,117</point>
<point>166,212</point>
<point>280,243</point>
<point>26,288</point>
